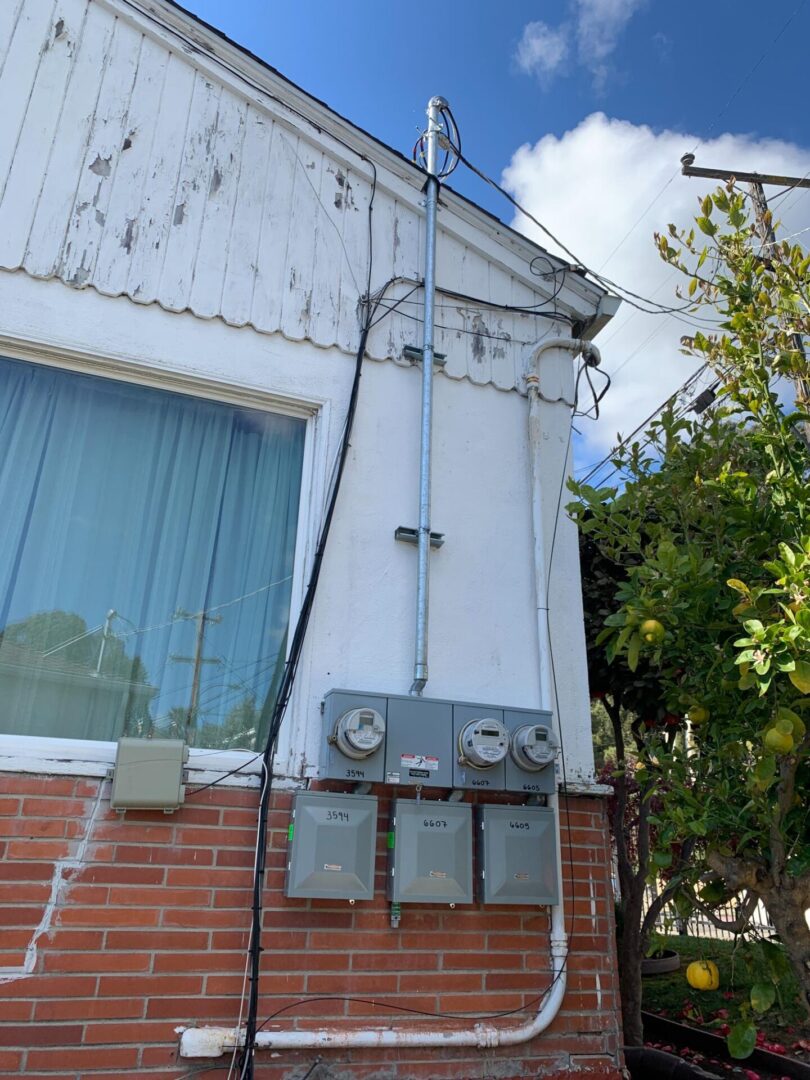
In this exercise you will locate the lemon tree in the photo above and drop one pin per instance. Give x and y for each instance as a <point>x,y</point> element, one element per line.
<point>708,533</point>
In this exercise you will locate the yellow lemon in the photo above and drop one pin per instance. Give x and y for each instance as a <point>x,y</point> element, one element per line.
<point>703,975</point>
<point>778,741</point>
<point>652,631</point>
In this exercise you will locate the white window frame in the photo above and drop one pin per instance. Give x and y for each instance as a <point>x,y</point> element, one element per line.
<point>91,757</point>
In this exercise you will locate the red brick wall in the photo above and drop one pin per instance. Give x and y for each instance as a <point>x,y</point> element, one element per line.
<point>148,927</point>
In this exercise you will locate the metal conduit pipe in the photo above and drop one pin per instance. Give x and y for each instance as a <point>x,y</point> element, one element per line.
<point>215,1041</point>
<point>420,667</point>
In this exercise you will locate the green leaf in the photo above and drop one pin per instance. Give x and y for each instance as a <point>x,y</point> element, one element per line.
<point>763,995</point>
<point>740,586</point>
<point>800,676</point>
<point>742,1039</point>
<point>633,650</point>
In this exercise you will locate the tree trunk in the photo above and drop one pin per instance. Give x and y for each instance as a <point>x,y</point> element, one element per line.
<point>631,948</point>
<point>786,909</point>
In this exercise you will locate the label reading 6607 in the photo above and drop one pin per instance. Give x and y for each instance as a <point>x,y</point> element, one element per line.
<point>434,823</point>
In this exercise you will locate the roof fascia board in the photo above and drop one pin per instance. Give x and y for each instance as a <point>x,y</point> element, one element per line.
<point>348,144</point>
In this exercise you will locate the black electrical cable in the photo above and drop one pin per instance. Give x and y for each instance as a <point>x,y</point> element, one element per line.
<point>656,309</point>
<point>291,666</point>
<point>681,389</point>
<point>280,707</point>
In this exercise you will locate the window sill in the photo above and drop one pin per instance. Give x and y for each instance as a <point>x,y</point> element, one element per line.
<point>82,757</point>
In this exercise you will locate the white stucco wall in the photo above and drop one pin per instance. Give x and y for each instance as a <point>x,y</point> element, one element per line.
<point>483,637</point>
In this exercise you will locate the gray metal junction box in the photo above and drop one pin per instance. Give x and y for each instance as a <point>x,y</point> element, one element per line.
<point>517,855</point>
<point>332,845</point>
<point>431,858</point>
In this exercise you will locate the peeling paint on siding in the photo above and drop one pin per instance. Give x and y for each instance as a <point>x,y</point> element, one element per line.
<point>152,180</point>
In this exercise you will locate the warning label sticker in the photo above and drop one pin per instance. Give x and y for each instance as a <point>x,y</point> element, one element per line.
<point>437,874</point>
<point>332,866</point>
<point>419,761</point>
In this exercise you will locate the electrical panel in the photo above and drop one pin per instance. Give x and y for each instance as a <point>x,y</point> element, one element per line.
<point>517,855</point>
<point>430,852</point>
<point>332,844</point>
<point>416,741</point>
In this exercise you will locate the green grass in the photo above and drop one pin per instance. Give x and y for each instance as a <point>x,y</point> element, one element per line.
<point>785,1022</point>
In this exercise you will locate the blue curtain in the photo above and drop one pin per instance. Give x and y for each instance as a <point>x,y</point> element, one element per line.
<point>146,556</point>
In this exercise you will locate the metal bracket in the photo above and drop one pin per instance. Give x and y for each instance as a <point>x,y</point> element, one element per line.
<point>411,536</point>
<point>414,354</point>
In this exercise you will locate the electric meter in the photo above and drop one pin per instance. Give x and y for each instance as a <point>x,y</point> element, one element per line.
<point>483,743</point>
<point>533,747</point>
<point>359,732</point>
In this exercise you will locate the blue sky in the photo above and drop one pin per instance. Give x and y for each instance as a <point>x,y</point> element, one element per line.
<point>603,95</point>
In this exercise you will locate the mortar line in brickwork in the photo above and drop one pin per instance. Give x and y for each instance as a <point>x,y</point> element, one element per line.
<point>21,971</point>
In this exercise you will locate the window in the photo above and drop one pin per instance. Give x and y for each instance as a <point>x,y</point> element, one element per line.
<point>146,559</point>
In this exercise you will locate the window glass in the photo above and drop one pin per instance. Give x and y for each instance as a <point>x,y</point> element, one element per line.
<point>146,558</point>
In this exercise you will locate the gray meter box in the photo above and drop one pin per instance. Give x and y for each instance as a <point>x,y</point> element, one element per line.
<point>543,782</point>
<point>517,855</point>
<point>430,861</point>
<point>465,775</point>
<point>409,741</point>
<point>332,846</point>
<point>334,763</point>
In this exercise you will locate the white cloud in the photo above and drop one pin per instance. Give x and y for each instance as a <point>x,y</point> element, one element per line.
<point>542,50</point>
<point>599,25</point>
<point>590,187</point>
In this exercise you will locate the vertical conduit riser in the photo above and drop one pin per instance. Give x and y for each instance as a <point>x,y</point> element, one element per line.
<point>420,670</point>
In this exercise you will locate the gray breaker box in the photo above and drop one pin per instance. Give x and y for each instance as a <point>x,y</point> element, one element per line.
<point>517,855</point>
<point>332,846</point>
<point>430,852</point>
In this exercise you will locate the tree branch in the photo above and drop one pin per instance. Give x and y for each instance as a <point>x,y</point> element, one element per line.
<point>740,873</point>
<point>735,926</point>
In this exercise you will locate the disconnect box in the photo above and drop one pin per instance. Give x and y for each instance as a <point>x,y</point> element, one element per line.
<point>431,858</point>
<point>332,843</point>
<point>517,855</point>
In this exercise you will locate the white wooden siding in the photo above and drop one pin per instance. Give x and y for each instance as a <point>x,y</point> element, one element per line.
<point>129,168</point>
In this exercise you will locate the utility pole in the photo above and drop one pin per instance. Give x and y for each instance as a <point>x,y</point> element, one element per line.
<point>106,634</point>
<point>756,186</point>
<point>197,660</point>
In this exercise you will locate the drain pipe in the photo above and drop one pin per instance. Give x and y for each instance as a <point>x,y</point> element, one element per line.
<point>215,1041</point>
<point>420,667</point>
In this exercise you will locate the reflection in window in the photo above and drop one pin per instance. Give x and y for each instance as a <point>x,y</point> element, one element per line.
<point>146,558</point>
